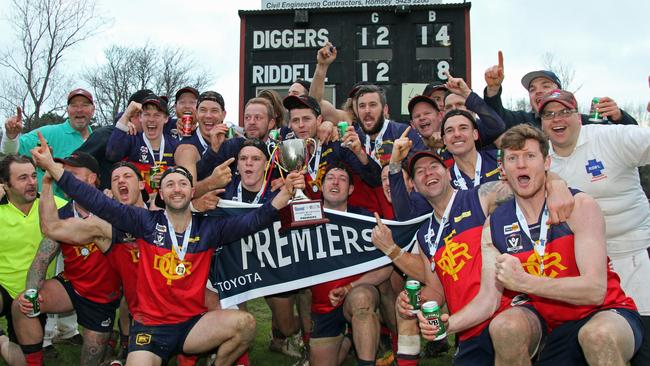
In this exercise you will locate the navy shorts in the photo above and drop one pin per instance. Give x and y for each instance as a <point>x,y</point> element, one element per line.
<point>163,340</point>
<point>91,315</point>
<point>562,346</point>
<point>330,324</point>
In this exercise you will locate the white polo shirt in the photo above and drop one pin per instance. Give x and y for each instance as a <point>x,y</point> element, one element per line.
<point>604,165</point>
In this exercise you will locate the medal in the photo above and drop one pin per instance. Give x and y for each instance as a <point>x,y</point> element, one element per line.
<point>182,250</point>
<point>314,188</point>
<point>85,251</point>
<point>180,269</point>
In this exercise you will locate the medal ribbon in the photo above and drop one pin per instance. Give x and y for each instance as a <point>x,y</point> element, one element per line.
<point>540,246</point>
<point>180,251</point>
<point>378,141</point>
<point>201,140</point>
<point>161,151</point>
<point>477,173</point>
<point>239,197</point>
<point>313,172</point>
<point>433,246</point>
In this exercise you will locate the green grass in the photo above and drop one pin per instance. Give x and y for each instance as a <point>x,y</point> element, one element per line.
<point>259,356</point>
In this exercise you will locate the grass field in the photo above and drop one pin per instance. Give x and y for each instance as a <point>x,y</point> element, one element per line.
<point>259,356</point>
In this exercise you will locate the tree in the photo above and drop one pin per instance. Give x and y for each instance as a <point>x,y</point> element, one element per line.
<point>564,71</point>
<point>45,31</point>
<point>128,70</point>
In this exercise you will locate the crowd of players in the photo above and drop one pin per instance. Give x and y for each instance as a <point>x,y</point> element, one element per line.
<point>537,242</point>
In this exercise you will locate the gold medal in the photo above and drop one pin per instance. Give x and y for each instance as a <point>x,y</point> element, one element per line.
<point>180,269</point>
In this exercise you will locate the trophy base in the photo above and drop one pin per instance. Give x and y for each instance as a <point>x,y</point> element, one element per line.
<point>302,213</point>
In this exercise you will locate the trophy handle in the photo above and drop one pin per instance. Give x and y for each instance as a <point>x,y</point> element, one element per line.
<point>315,144</point>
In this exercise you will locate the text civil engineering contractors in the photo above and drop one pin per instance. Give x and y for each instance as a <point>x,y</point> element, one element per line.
<point>302,4</point>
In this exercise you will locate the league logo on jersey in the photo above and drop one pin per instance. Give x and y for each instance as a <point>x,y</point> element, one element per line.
<point>159,238</point>
<point>513,242</point>
<point>595,168</point>
<point>128,238</point>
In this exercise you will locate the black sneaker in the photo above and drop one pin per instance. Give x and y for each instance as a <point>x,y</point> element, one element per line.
<point>50,352</point>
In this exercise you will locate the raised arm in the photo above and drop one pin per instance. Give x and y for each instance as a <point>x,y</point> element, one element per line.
<point>488,299</point>
<point>588,288</point>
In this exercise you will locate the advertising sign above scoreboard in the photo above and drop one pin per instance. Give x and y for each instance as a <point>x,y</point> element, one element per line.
<point>400,48</point>
<point>316,4</point>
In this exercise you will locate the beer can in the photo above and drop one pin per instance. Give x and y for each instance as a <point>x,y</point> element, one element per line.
<point>32,295</point>
<point>274,135</point>
<point>231,133</point>
<point>594,115</point>
<point>186,124</point>
<point>413,288</point>
<point>431,312</point>
<point>343,127</point>
<point>500,163</point>
<point>152,172</point>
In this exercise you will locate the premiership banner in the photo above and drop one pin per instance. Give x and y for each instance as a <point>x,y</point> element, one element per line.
<point>268,262</point>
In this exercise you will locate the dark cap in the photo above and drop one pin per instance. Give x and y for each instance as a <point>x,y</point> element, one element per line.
<point>356,87</point>
<point>257,144</point>
<point>175,169</point>
<point>422,154</point>
<point>159,102</point>
<point>213,96</point>
<point>119,164</point>
<point>305,84</point>
<point>187,89</point>
<point>83,92</point>
<point>550,75</point>
<point>139,96</point>
<point>303,101</point>
<point>563,97</point>
<point>431,87</point>
<point>421,98</point>
<point>81,159</point>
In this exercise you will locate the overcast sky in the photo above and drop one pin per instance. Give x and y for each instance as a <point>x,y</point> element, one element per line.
<point>607,43</point>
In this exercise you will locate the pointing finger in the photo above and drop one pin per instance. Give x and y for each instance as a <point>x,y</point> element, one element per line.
<point>42,140</point>
<point>379,223</point>
<point>500,59</point>
<point>449,77</point>
<point>406,132</point>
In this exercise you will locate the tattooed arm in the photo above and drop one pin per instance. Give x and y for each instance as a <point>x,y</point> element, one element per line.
<point>47,250</point>
<point>492,194</point>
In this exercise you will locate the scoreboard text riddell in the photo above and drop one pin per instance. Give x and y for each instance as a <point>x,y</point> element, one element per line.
<point>400,49</point>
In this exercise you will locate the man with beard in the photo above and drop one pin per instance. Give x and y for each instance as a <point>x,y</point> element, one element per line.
<point>185,101</point>
<point>173,267</point>
<point>89,284</point>
<point>538,83</point>
<point>559,269</point>
<point>149,148</point>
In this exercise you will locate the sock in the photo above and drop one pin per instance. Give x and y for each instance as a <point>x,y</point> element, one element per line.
<point>406,360</point>
<point>305,338</point>
<point>361,362</point>
<point>243,360</point>
<point>275,332</point>
<point>408,352</point>
<point>186,360</point>
<point>33,354</point>
<point>393,338</point>
<point>124,341</point>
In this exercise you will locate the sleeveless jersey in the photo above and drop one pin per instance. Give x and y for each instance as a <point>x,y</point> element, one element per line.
<point>559,261</point>
<point>124,256</point>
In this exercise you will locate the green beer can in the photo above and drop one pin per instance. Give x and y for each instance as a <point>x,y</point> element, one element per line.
<point>152,172</point>
<point>32,295</point>
<point>343,127</point>
<point>413,288</point>
<point>431,312</point>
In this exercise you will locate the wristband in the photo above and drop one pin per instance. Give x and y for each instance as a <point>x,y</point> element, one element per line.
<point>395,253</point>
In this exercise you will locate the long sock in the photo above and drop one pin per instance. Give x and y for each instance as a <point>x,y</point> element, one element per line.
<point>361,362</point>
<point>186,360</point>
<point>243,360</point>
<point>305,338</point>
<point>33,354</point>
<point>393,339</point>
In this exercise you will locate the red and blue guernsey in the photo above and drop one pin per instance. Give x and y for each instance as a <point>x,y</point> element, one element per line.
<point>87,268</point>
<point>458,255</point>
<point>559,261</point>
<point>134,149</point>
<point>167,295</point>
<point>124,256</point>
<point>486,164</point>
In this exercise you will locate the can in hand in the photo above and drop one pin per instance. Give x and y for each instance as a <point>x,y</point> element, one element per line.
<point>186,124</point>
<point>274,135</point>
<point>501,176</point>
<point>32,295</point>
<point>413,288</point>
<point>152,173</point>
<point>231,133</point>
<point>594,115</point>
<point>343,127</point>
<point>431,312</point>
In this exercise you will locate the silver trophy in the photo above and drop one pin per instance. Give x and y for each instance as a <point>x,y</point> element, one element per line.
<point>292,156</point>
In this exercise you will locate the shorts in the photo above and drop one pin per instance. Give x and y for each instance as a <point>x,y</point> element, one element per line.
<point>562,346</point>
<point>330,324</point>
<point>479,349</point>
<point>91,315</point>
<point>163,340</point>
<point>634,271</point>
<point>6,312</point>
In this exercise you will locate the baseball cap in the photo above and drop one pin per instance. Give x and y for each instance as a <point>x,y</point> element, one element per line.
<point>186,89</point>
<point>421,98</point>
<point>356,87</point>
<point>139,96</point>
<point>305,84</point>
<point>258,144</point>
<point>83,92</point>
<point>563,97</point>
<point>159,102</point>
<point>431,87</point>
<point>528,78</point>
<point>213,96</point>
<point>296,102</point>
<point>119,164</point>
<point>81,159</point>
<point>175,169</point>
<point>419,155</point>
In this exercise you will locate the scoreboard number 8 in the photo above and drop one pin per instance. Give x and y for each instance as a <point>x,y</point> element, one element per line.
<point>442,67</point>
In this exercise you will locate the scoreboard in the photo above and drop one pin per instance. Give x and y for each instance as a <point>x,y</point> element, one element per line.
<point>400,48</point>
